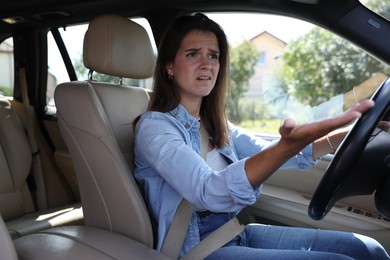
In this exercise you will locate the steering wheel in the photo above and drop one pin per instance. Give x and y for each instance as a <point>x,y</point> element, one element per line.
<point>345,167</point>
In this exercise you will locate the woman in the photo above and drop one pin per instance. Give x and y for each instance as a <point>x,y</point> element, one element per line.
<point>189,90</point>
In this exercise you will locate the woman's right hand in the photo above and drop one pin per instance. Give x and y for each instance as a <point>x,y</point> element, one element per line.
<point>296,137</point>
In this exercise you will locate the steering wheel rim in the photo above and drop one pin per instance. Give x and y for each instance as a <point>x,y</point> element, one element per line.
<point>349,151</point>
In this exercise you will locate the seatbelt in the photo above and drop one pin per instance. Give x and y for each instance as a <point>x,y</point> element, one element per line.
<point>36,161</point>
<point>179,227</point>
<point>215,240</point>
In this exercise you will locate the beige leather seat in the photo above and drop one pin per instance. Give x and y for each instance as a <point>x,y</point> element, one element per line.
<point>7,248</point>
<point>15,165</point>
<point>16,202</point>
<point>95,120</point>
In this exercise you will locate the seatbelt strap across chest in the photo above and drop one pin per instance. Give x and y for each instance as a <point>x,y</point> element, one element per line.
<point>179,227</point>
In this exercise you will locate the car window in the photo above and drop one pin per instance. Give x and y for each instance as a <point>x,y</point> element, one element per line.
<point>378,6</point>
<point>287,68</point>
<point>7,67</point>
<point>73,37</point>
<point>281,68</point>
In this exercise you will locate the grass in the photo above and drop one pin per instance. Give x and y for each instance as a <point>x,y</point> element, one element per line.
<point>262,125</point>
<point>6,91</point>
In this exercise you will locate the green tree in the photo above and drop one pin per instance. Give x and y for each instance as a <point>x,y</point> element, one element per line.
<point>320,65</point>
<point>243,59</point>
<point>379,6</point>
<point>82,73</point>
<point>6,91</point>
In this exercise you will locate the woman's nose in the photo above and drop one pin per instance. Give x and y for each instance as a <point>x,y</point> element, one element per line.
<point>206,64</point>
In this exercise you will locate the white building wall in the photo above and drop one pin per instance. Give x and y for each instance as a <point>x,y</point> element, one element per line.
<point>6,64</point>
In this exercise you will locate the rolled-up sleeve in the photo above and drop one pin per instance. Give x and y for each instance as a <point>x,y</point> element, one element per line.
<point>238,184</point>
<point>185,171</point>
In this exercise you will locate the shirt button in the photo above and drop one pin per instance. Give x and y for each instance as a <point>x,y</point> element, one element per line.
<point>228,152</point>
<point>187,125</point>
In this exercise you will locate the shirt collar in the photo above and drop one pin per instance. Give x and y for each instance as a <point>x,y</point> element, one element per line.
<point>181,113</point>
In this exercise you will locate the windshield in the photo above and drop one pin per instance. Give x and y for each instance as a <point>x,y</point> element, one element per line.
<point>378,6</point>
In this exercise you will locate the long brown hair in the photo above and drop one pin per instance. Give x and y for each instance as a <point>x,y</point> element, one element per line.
<point>166,95</point>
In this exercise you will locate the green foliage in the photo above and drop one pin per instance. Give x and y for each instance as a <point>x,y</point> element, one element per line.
<point>270,126</point>
<point>6,91</point>
<point>82,73</point>
<point>243,59</point>
<point>321,65</point>
<point>379,6</point>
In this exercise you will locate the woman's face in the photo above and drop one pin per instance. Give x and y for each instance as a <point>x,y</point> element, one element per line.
<point>196,65</point>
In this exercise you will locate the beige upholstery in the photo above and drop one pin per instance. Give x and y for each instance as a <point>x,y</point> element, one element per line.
<point>96,119</point>
<point>7,248</point>
<point>81,243</point>
<point>60,216</point>
<point>118,47</point>
<point>16,203</point>
<point>15,165</point>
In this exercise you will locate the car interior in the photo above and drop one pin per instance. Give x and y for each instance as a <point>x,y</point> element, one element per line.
<point>95,119</point>
<point>93,207</point>
<point>17,205</point>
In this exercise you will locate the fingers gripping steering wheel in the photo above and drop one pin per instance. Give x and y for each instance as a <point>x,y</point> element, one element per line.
<point>335,184</point>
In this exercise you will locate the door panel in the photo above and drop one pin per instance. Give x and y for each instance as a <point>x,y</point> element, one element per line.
<point>286,196</point>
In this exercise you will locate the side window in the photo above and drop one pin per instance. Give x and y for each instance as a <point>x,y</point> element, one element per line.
<point>287,68</point>
<point>73,37</point>
<point>7,68</point>
<point>57,73</point>
<point>262,58</point>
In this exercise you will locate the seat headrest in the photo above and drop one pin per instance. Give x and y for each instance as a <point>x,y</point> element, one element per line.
<point>117,46</point>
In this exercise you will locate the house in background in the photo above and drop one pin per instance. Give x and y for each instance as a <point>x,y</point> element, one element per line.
<point>270,48</point>
<point>6,64</point>
<point>7,71</point>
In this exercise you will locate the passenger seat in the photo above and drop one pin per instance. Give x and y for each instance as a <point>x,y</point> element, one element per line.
<point>95,119</point>
<point>15,165</point>
<point>16,201</point>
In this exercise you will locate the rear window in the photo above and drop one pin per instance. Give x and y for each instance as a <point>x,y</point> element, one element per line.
<point>7,67</point>
<point>73,37</point>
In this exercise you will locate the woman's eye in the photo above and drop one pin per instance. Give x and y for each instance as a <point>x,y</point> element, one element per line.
<point>214,56</point>
<point>191,54</point>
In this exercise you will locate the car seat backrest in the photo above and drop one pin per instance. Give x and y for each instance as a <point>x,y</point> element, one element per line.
<point>96,118</point>
<point>18,200</point>
<point>15,164</point>
<point>7,248</point>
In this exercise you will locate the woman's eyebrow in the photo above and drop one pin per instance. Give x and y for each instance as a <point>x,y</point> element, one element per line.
<point>198,49</point>
<point>192,50</point>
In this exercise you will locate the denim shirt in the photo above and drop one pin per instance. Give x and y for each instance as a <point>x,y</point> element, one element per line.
<point>169,167</point>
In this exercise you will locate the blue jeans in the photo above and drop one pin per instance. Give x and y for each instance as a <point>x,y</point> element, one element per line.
<point>277,242</point>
